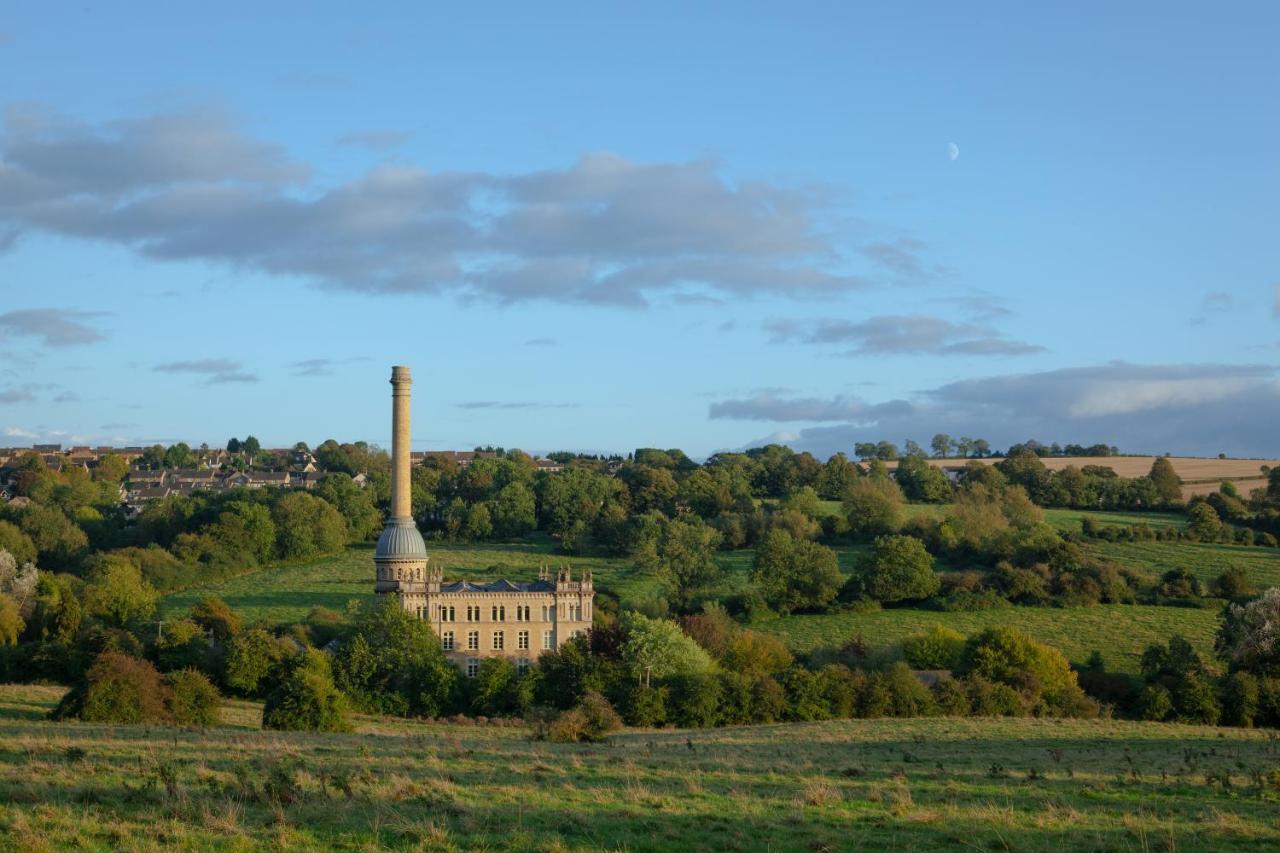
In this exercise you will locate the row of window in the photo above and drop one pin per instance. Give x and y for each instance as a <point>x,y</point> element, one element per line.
<point>473,666</point>
<point>498,612</point>
<point>498,642</point>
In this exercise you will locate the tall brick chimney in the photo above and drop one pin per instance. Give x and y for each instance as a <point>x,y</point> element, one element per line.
<point>401,556</point>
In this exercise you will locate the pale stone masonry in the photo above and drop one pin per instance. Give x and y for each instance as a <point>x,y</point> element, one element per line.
<point>517,621</point>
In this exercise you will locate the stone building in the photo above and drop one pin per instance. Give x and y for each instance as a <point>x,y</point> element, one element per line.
<point>514,620</point>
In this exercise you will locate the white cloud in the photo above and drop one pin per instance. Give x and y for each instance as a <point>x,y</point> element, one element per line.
<point>605,230</point>
<point>1198,409</point>
<point>899,334</point>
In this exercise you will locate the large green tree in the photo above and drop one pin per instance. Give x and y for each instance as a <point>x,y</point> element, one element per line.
<point>795,574</point>
<point>1167,482</point>
<point>897,569</point>
<point>686,554</point>
<point>393,664</point>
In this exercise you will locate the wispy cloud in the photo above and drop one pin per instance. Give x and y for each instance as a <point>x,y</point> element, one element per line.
<point>540,342</point>
<point>781,408</point>
<point>218,370</point>
<point>25,394</point>
<point>603,230</point>
<point>899,334</point>
<point>1188,408</point>
<point>493,404</point>
<point>55,327</point>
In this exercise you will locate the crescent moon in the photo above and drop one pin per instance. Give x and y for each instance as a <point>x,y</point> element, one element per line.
<point>953,151</point>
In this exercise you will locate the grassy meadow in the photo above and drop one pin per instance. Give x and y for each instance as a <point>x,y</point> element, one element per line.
<point>1120,631</point>
<point>922,784</point>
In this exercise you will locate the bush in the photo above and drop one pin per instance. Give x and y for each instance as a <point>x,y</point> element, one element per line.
<point>939,648</point>
<point>903,694</point>
<point>306,699</point>
<point>992,699</point>
<point>1012,657</point>
<point>213,614</point>
<point>567,727</point>
<point>1241,694</point>
<point>250,657</point>
<point>1233,583</point>
<point>181,646</point>
<point>590,721</point>
<point>117,689</point>
<point>898,569</point>
<point>950,697</point>
<point>1153,703</point>
<point>694,700</point>
<point>193,700</point>
<point>601,719</point>
<point>645,705</point>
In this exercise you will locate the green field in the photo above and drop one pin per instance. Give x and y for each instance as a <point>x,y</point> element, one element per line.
<point>1205,560</point>
<point>282,594</point>
<point>1120,632</point>
<point>922,784</point>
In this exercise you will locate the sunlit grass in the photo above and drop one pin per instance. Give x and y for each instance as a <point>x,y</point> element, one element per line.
<point>885,784</point>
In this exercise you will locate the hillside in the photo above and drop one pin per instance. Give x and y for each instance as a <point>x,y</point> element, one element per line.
<point>924,784</point>
<point>1200,475</point>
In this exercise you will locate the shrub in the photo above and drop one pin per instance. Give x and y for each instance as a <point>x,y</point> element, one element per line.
<point>306,699</point>
<point>1153,703</point>
<point>645,705</point>
<point>182,645</point>
<point>567,727</point>
<point>694,700</point>
<point>1241,694</point>
<point>601,719</point>
<point>755,652</point>
<point>906,695</point>
<point>950,697</point>
<point>117,689</point>
<point>1012,657</point>
<point>1180,583</point>
<point>939,648</point>
<point>193,700</point>
<point>213,614</point>
<point>992,699</point>
<point>591,721</point>
<point>898,569</point>
<point>805,699</point>
<point>840,688</point>
<point>250,657</point>
<point>11,624</point>
<point>1233,583</point>
<point>118,594</point>
<point>1194,700</point>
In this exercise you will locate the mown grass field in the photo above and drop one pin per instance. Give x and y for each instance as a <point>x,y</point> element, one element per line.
<point>924,784</point>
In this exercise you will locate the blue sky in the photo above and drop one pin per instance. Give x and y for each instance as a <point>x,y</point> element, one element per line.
<point>594,229</point>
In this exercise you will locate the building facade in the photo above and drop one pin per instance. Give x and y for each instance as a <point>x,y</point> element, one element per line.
<point>513,620</point>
